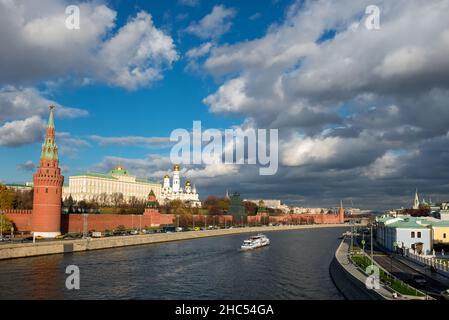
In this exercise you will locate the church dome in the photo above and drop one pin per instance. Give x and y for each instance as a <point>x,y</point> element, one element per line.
<point>166,176</point>
<point>188,183</point>
<point>176,167</point>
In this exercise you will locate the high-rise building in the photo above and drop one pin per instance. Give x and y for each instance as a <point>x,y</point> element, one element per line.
<point>48,183</point>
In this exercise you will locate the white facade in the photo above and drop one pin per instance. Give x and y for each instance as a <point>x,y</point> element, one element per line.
<point>405,232</point>
<point>95,186</point>
<point>172,192</point>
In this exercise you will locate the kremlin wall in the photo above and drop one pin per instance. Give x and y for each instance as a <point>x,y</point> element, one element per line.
<point>46,218</point>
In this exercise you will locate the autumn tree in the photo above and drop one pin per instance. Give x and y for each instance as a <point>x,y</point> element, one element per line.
<point>8,198</point>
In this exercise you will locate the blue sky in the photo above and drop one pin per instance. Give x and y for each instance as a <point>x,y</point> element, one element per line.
<point>154,110</point>
<point>362,112</point>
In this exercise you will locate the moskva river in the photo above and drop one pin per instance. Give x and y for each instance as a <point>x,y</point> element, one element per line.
<point>294,266</point>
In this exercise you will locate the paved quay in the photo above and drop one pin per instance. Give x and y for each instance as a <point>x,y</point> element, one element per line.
<point>11,251</point>
<point>350,280</point>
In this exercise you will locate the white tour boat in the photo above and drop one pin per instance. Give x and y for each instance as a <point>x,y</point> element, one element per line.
<point>255,242</point>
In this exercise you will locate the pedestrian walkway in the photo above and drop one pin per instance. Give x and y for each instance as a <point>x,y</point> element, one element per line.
<point>342,256</point>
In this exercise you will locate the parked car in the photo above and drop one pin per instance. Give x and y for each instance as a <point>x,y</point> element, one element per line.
<point>419,280</point>
<point>60,236</point>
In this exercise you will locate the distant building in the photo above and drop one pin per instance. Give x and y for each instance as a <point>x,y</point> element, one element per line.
<point>174,191</point>
<point>101,187</point>
<point>406,232</point>
<point>20,187</point>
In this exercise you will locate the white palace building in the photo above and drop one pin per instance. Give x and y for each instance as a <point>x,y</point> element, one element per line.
<point>101,187</point>
<point>95,186</point>
<point>187,194</point>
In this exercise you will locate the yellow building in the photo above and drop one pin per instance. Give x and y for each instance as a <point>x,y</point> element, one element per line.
<point>441,232</point>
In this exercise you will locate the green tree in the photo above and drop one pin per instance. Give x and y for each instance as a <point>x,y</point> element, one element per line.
<point>5,224</point>
<point>8,198</point>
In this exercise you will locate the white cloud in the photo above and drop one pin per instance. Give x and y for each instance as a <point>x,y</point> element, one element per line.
<point>213,25</point>
<point>36,45</point>
<point>19,103</point>
<point>136,55</point>
<point>20,132</point>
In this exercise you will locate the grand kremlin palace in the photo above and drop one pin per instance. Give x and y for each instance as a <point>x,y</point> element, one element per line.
<point>94,186</point>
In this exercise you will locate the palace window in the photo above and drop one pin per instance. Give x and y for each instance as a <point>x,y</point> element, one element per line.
<point>419,234</point>
<point>444,235</point>
<point>413,234</point>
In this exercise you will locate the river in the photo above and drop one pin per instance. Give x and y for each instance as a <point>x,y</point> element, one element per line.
<point>294,266</point>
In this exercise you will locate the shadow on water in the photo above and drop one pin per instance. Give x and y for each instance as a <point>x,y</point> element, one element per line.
<point>294,266</point>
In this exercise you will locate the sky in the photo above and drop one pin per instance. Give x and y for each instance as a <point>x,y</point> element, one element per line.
<point>361,113</point>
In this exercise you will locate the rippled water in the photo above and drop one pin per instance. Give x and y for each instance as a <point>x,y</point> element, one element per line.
<point>294,266</point>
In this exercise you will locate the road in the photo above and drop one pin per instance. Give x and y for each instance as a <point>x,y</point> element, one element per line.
<point>403,271</point>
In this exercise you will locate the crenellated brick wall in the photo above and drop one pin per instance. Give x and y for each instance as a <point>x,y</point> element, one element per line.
<point>22,219</point>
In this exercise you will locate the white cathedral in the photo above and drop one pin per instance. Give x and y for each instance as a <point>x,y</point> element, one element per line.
<point>187,194</point>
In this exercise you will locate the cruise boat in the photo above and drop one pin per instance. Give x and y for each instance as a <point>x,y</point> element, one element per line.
<point>255,242</point>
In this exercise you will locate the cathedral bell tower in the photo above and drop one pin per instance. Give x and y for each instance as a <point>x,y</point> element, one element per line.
<point>48,183</point>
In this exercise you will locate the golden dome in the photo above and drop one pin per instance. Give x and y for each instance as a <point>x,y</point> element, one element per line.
<point>188,183</point>
<point>166,176</point>
<point>177,167</point>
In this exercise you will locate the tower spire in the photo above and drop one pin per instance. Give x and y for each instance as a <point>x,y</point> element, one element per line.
<point>49,148</point>
<point>416,200</point>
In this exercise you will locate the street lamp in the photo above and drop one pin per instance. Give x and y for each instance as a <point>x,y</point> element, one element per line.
<point>177,220</point>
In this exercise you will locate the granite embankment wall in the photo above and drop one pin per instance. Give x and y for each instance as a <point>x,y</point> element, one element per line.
<point>350,286</point>
<point>9,251</point>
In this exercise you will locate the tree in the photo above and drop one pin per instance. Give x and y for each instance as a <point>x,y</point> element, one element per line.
<point>8,198</point>
<point>24,199</point>
<point>117,199</point>
<point>5,224</point>
<point>68,203</point>
<point>250,207</point>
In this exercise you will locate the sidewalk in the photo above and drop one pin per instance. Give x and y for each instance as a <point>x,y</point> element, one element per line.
<point>342,256</point>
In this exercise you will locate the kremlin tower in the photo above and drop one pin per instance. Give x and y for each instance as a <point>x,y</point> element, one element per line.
<point>48,183</point>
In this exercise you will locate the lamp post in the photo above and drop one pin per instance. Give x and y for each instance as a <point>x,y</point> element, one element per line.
<point>177,220</point>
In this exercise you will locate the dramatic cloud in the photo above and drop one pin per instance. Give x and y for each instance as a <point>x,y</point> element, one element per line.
<point>16,103</point>
<point>353,104</point>
<point>37,45</point>
<point>213,25</point>
<point>20,132</point>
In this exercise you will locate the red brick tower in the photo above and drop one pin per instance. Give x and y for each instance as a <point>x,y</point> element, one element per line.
<point>48,183</point>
